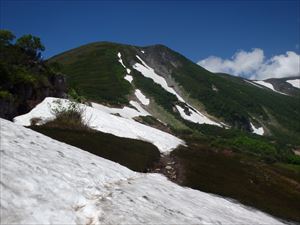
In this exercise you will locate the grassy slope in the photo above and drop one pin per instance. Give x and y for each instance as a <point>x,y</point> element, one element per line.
<point>247,179</point>
<point>236,100</point>
<point>94,71</point>
<point>134,154</point>
<point>270,188</point>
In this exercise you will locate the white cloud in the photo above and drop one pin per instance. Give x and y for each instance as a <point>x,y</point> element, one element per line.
<point>253,65</point>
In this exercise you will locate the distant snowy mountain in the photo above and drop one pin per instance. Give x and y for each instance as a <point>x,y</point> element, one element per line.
<point>44,181</point>
<point>285,86</point>
<point>177,91</point>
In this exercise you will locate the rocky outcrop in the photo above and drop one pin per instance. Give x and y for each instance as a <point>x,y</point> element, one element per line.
<point>27,96</point>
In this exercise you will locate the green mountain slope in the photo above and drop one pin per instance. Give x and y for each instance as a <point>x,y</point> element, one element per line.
<point>260,171</point>
<point>95,72</point>
<point>281,84</point>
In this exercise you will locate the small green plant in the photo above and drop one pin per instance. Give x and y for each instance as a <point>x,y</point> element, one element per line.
<point>68,115</point>
<point>73,94</point>
<point>5,95</point>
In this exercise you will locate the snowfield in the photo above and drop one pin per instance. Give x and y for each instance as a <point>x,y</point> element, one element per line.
<point>101,119</point>
<point>120,60</point>
<point>294,82</point>
<point>143,99</point>
<point>268,85</point>
<point>195,117</point>
<point>147,71</point>
<point>125,112</point>
<point>44,181</point>
<point>129,78</point>
<point>250,82</point>
<point>258,131</point>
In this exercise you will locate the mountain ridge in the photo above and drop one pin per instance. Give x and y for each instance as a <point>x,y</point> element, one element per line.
<point>232,137</point>
<point>198,86</point>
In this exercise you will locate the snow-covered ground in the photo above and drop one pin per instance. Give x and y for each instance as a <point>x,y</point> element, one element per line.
<point>139,108</point>
<point>259,131</point>
<point>120,60</point>
<point>125,112</point>
<point>129,78</point>
<point>143,99</point>
<point>101,119</point>
<point>267,85</point>
<point>44,181</point>
<point>147,71</point>
<point>250,82</point>
<point>195,117</point>
<point>294,82</point>
<point>150,73</point>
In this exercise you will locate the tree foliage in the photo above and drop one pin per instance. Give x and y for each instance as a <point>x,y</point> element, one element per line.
<point>6,37</point>
<point>31,44</point>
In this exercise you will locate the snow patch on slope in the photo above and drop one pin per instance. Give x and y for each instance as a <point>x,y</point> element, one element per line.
<point>129,78</point>
<point>143,99</point>
<point>103,121</point>
<point>258,131</point>
<point>44,181</point>
<point>120,60</point>
<point>139,108</point>
<point>147,71</point>
<point>294,82</point>
<point>125,112</point>
<point>250,82</point>
<point>195,117</point>
<point>268,85</point>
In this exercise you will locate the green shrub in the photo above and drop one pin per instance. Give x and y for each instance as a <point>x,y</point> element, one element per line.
<point>24,76</point>
<point>68,116</point>
<point>5,95</point>
<point>73,94</point>
<point>293,159</point>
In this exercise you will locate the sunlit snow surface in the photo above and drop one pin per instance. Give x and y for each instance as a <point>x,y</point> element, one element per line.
<point>143,99</point>
<point>127,77</point>
<point>259,131</point>
<point>150,73</point>
<point>102,120</point>
<point>195,117</point>
<point>294,82</point>
<point>250,82</point>
<point>147,71</point>
<point>267,85</point>
<point>120,60</point>
<point>44,181</point>
<point>125,112</point>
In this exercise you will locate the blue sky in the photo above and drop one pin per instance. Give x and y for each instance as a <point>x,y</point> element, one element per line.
<point>197,29</point>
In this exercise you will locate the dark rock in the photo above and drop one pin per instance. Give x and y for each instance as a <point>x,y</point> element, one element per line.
<point>27,96</point>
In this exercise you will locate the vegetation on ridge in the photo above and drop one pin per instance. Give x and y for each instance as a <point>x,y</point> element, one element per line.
<point>24,77</point>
